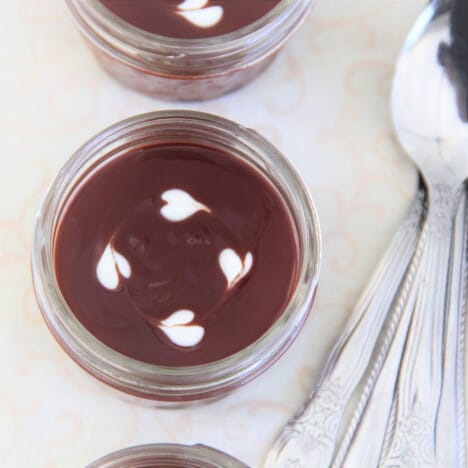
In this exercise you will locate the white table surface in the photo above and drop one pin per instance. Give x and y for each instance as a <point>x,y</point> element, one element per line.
<point>324,103</point>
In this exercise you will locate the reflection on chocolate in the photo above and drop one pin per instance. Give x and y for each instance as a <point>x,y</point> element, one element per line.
<point>176,254</point>
<point>190,19</point>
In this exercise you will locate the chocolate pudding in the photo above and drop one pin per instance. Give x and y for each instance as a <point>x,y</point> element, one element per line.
<point>190,19</point>
<point>176,254</point>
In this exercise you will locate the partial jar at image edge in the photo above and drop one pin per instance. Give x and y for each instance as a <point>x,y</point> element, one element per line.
<point>176,385</point>
<point>186,69</point>
<point>168,456</point>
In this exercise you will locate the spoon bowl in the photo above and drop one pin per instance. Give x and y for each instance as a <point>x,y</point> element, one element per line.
<point>429,100</point>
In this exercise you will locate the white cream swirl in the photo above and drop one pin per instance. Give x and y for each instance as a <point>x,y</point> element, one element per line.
<point>180,205</point>
<point>233,267</point>
<point>198,13</point>
<point>179,329</point>
<point>110,265</point>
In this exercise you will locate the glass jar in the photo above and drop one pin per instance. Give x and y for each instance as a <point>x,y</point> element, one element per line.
<point>176,384</point>
<point>168,456</point>
<point>185,69</point>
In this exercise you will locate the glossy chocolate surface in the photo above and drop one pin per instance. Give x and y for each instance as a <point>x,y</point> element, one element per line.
<point>176,232</point>
<point>190,19</point>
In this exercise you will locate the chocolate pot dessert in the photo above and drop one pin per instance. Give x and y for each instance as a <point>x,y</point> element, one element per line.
<point>187,49</point>
<point>176,254</point>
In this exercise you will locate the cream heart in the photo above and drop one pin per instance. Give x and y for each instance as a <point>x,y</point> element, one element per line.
<point>233,267</point>
<point>192,4</point>
<point>180,205</point>
<point>109,266</point>
<point>181,317</point>
<point>204,17</point>
<point>176,327</point>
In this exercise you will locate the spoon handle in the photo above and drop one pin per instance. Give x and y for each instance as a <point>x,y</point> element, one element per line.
<point>366,434</point>
<point>450,436</point>
<point>400,400</point>
<point>419,388</point>
<point>310,438</point>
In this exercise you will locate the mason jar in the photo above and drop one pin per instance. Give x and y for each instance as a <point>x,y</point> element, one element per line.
<point>197,382</point>
<point>185,69</point>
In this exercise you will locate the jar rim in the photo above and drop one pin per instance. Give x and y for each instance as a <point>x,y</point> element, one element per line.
<point>165,54</point>
<point>150,380</point>
<point>151,453</point>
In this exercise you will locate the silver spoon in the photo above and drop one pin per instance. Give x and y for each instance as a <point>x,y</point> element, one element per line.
<point>312,435</point>
<point>430,113</point>
<point>432,75</point>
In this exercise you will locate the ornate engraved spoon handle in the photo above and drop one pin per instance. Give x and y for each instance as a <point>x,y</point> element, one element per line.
<point>421,373</point>
<point>365,436</point>
<point>310,438</point>
<point>461,390</point>
<point>400,400</point>
<point>450,436</point>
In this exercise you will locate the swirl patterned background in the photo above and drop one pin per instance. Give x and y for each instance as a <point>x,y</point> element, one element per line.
<point>324,103</point>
